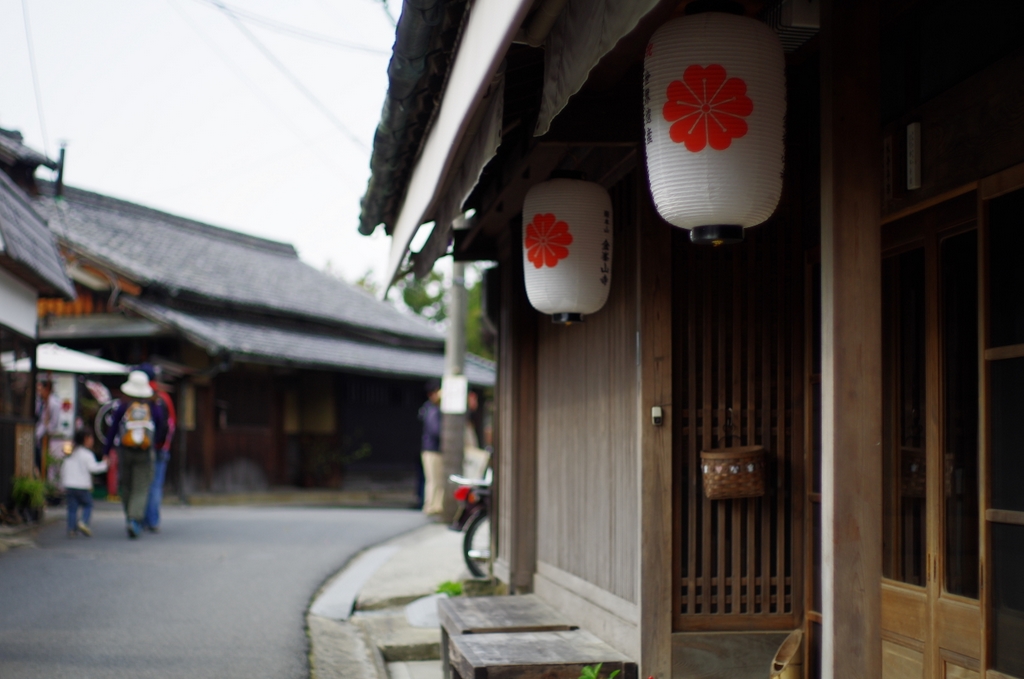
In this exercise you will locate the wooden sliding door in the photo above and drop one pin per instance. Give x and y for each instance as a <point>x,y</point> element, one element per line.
<point>931,615</point>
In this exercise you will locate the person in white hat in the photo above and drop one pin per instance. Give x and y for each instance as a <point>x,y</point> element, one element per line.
<point>138,430</point>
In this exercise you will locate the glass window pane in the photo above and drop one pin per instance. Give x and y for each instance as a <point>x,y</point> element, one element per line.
<point>959,271</point>
<point>1006,283</point>
<point>904,476</point>
<point>1007,447</point>
<point>1008,598</point>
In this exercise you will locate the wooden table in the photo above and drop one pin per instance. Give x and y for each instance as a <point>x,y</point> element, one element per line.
<point>494,615</point>
<point>534,655</point>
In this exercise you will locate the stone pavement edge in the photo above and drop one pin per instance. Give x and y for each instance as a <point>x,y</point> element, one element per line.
<point>357,625</point>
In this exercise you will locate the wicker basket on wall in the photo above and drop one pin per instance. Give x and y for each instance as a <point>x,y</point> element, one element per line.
<point>731,473</point>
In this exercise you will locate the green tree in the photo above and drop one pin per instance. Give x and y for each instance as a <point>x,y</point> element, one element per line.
<point>479,335</point>
<point>367,283</point>
<point>425,296</point>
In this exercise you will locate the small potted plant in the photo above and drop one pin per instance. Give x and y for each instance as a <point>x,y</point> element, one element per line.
<point>29,495</point>
<point>594,672</point>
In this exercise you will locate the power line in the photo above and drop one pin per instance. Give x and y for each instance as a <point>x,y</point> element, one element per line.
<point>254,88</point>
<point>291,77</point>
<point>295,31</point>
<point>387,11</point>
<point>35,78</point>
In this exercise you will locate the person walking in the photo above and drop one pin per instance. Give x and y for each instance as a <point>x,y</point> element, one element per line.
<point>138,428</point>
<point>475,459</point>
<point>163,455</point>
<point>50,439</point>
<point>76,475</point>
<point>433,463</point>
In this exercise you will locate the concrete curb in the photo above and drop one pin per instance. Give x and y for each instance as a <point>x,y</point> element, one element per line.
<point>356,622</point>
<point>339,650</point>
<point>383,499</point>
<point>337,598</point>
<point>23,535</point>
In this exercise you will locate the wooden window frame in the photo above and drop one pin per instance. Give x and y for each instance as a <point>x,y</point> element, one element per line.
<point>993,186</point>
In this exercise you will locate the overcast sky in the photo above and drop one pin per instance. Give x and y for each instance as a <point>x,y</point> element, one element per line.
<point>168,103</point>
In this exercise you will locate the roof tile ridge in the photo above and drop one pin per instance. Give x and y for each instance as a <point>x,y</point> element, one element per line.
<point>290,315</point>
<point>99,200</point>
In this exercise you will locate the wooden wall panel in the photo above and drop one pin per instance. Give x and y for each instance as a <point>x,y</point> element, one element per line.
<point>968,131</point>
<point>587,431</point>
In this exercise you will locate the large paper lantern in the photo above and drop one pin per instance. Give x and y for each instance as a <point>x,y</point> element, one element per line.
<point>714,114</point>
<point>567,248</point>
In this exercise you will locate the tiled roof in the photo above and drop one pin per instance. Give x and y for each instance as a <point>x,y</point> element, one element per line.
<point>25,238</point>
<point>271,344</point>
<point>194,260</point>
<point>14,152</point>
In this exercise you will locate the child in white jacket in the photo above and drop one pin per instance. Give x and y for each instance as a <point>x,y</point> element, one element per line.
<point>76,475</point>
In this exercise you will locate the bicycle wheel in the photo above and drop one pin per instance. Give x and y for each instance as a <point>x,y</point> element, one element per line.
<point>476,546</point>
<point>104,418</point>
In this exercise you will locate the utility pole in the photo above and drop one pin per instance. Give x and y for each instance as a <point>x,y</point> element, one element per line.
<point>454,386</point>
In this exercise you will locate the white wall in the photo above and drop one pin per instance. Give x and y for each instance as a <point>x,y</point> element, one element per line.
<point>17,305</point>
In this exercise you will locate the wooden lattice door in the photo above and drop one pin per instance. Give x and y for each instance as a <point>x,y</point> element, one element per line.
<point>739,380</point>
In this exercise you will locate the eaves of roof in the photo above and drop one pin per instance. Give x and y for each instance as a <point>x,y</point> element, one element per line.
<point>243,340</point>
<point>14,152</point>
<point>27,243</point>
<point>426,35</point>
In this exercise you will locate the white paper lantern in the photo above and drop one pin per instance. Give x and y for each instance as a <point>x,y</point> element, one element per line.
<point>714,114</point>
<point>567,248</point>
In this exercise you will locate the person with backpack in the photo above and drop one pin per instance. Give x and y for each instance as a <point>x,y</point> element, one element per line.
<point>138,429</point>
<point>163,454</point>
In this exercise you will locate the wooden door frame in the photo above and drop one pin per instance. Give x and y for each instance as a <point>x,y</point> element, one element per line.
<point>851,179</point>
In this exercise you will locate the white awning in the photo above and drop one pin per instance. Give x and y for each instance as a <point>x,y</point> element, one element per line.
<point>55,358</point>
<point>487,36</point>
<point>585,31</point>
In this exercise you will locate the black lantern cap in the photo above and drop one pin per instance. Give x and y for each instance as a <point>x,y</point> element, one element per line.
<point>717,234</point>
<point>566,318</point>
<point>727,6</point>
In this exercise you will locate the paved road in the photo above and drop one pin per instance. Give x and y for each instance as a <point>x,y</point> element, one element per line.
<point>220,593</point>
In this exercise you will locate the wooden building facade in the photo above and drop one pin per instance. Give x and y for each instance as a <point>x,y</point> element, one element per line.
<point>283,375</point>
<point>30,266</point>
<point>868,336</point>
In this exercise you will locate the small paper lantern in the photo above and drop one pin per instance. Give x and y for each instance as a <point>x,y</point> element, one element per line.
<point>714,115</point>
<point>567,248</point>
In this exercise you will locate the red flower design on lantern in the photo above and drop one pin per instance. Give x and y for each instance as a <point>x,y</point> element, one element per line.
<point>547,240</point>
<point>706,107</point>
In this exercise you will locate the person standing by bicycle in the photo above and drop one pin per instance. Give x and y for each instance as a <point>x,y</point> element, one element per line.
<point>138,429</point>
<point>433,465</point>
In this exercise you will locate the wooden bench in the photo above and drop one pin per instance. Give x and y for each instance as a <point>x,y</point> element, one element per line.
<point>534,655</point>
<point>494,615</point>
